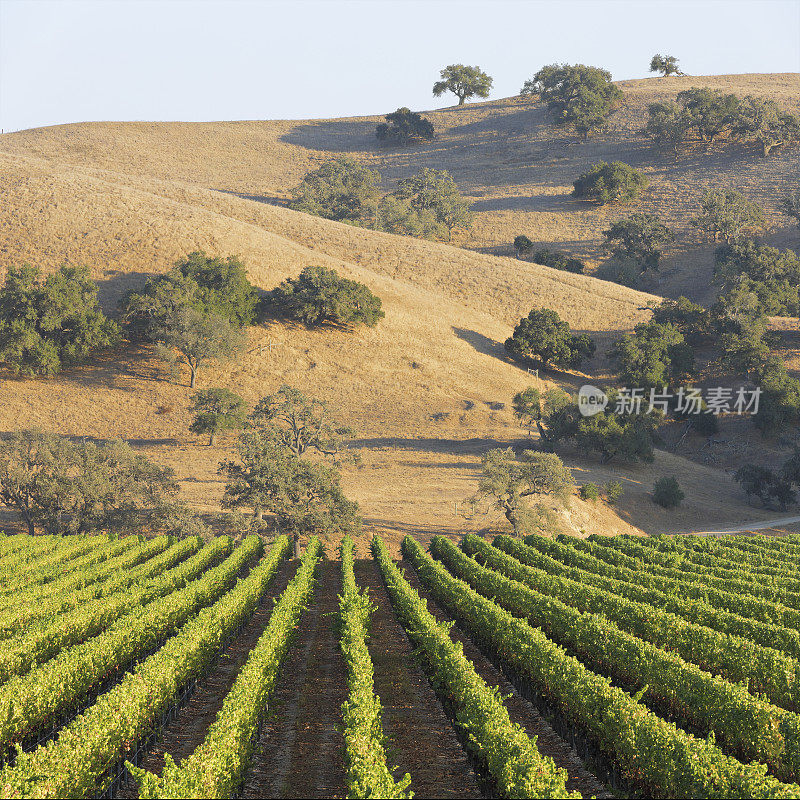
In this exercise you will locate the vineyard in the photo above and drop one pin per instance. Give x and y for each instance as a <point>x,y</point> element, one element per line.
<point>566,668</point>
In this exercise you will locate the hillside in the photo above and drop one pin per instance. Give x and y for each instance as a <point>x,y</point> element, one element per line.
<point>429,389</point>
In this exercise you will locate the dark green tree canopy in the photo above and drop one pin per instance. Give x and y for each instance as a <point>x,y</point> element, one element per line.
<point>522,245</point>
<point>667,492</point>
<point>616,182</point>
<point>667,125</point>
<point>464,82</point>
<point>543,335</point>
<point>320,296</point>
<point>728,215</point>
<point>576,95</point>
<point>68,486</point>
<point>640,237</point>
<point>48,325</point>
<point>709,112</point>
<point>217,410</point>
<point>790,205</point>
<point>762,120</point>
<point>769,487</point>
<point>653,356</point>
<point>341,189</point>
<point>666,65</point>
<point>691,319</point>
<point>403,127</point>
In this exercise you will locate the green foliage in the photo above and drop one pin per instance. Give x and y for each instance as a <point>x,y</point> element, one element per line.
<point>432,196</point>
<point>590,491</point>
<point>72,487</point>
<point>762,120</point>
<point>223,287</point>
<point>613,492</point>
<point>509,755</point>
<point>527,406</point>
<point>299,423</point>
<point>464,82</point>
<point>709,112</point>
<point>320,296</point>
<point>653,356</point>
<point>728,215</point>
<point>367,772</point>
<point>576,95</point>
<point>780,397</point>
<point>195,338</point>
<point>403,127</point>
<point>772,275</point>
<point>691,319</point>
<point>217,410</point>
<point>507,480</point>
<point>341,189</point>
<point>556,260</point>
<point>768,486</point>
<point>627,437</point>
<point>666,125</point>
<point>610,183</point>
<point>545,336</point>
<point>790,205</point>
<point>305,498</point>
<point>522,245</point>
<point>667,492</point>
<point>218,766</point>
<point>666,65</point>
<point>640,237</point>
<point>48,325</point>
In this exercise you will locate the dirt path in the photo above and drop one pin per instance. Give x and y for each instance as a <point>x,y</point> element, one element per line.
<point>301,750</point>
<point>751,526</point>
<point>182,737</point>
<point>520,710</point>
<point>420,737</point>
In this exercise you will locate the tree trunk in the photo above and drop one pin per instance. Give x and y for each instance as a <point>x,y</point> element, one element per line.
<point>296,544</point>
<point>258,513</point>
<point>767,148</point>
<point>31,529</point>
<point>211,440</point>
<point>461,101</point>
<point>194,376</point>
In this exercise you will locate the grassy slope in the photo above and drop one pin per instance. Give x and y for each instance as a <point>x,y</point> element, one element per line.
<point>424,388</point>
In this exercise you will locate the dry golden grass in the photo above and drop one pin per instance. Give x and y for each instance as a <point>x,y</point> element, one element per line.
<point>429,389</point>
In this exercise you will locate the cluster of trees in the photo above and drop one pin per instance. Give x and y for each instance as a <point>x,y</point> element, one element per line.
<point>544,336</point>
<point>577,96</point>
<point>771,487</point>
<point>428,204</point>
<point>46,325</point>
<point>65,486</point>
<point>194,313</point>
<point>628,437</point>
<point>708,115</point>
<point>523,246</point>
<point>320,296</point>
<point>616,182</point>
<point>272,472</point>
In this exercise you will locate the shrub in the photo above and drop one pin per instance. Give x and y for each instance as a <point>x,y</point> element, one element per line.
<point>667,492</point>
<point>522,245</point>
<point>653,356</point>
<point>319,296</point>
<point>608,183</point>
<point>48,325</point>
<point>576,95</point>
<point>404,126</point>
<point>590,491</point>
<point>545,336</point>
<point>613,492</point>
<point>556,260</point>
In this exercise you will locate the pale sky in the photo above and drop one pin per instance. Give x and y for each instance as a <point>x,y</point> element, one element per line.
<point>77,60</point>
